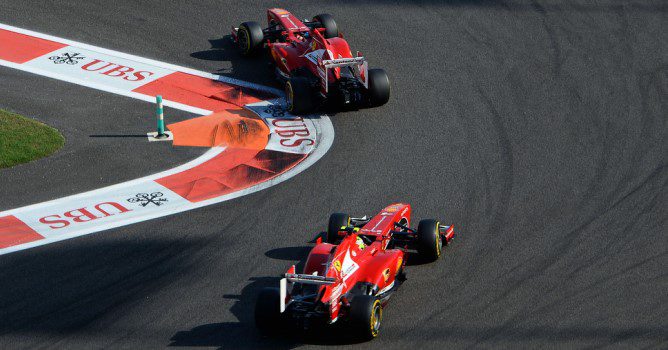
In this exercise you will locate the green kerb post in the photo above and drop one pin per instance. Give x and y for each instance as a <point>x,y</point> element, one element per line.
<point>161,120</point>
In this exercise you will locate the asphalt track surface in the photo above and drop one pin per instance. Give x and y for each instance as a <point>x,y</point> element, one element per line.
<point>537,128</point>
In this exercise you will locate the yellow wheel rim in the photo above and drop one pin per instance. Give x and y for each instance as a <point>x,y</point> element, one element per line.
<point>438,240</point>
<point>376,317</point>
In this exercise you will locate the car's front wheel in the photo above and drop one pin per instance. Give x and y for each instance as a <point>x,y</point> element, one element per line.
<point>336,222</point>
<point>327,21</point>
<point>429,240</point>
<point>250,38</point>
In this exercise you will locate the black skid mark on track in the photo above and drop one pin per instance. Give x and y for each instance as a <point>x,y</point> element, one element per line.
<point>557,60</point>
<point>498,186</point>
<point>505,178</point>
<point>504,168</point>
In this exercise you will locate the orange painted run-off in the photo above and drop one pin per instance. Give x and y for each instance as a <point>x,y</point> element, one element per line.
<point>244,162</point>
<point>13,232</point>
<point>238,128</point>
<point>20,48</point>
<point>199,92</point>
<point>230,171</point>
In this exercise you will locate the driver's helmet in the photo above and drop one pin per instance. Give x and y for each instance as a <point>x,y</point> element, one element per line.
<point>306,34</point>
<point>360,243</point>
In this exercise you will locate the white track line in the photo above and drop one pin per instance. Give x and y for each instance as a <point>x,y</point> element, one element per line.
<point>144,60</point>
<point>102,87</point>
<point>324,139</point>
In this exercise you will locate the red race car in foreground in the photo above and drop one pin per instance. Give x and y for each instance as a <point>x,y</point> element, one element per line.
<point>314,61</point>
<point>350,277</point>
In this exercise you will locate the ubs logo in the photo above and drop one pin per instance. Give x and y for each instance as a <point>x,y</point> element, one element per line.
<point>115,70</point>
<point>145,199</point>
<point>68,58</point>
<point>276,111</point>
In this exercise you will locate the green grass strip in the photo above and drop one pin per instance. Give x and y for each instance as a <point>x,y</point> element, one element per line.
<point>23,139</point>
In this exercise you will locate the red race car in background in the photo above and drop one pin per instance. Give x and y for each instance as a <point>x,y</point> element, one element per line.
<point>314,61</point>
<point>350,277</point>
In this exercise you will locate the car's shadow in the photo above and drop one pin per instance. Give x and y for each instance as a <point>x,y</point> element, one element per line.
<point>254,69</point>
<point>413,259</point>
<point>243,334</point>
<point>238,335</point>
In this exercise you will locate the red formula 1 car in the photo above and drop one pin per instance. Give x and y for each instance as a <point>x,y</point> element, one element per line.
<point>350,277</point>
<point>314,61</point>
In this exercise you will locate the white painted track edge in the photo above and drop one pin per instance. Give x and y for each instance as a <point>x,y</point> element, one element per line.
<point>323,146</point>
<point>325,137</point>
<point>149,61</point>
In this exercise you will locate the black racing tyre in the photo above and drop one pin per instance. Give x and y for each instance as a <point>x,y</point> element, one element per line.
<point>366,315</point>
<point>298,96</point>
<point>429,240</point>
<point>327,22</point>
<point>379,87</point>
<point>268,318</point>
<point>336,221</point>
<point>249,38</point>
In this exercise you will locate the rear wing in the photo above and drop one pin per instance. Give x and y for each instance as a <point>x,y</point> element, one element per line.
<point>292,277</point>
<point>309,279</point>
<point>359,62</point>
<point>343,62</point>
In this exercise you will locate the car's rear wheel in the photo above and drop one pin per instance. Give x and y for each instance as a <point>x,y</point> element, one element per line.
<point>366,315</point>
<point>429,240</point>
<point>250,38</point>
<point>327,21</point>
<point>267,312</point>
<point>298,95</point>
<point>336,221</point>
<point>379,87</point>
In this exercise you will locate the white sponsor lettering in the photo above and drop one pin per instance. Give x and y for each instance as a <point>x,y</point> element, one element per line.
<point>109,207</point>
<point>86,211</point>
<point>289,133</point>
<point>348,267</point>
<point>96,67</point>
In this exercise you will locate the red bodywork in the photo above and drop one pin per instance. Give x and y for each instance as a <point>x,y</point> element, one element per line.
<point>307,48</point>
<point>348,266</point>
